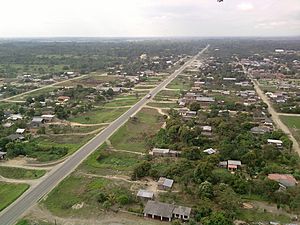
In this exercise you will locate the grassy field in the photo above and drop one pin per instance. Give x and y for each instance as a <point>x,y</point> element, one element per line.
<point>166,95</point>
<point>162,105</point>
<point>180,83</point>
<point>28,222</point>
<point>35,93</point>
<point>20,173</point>
<point>132,136</point>
<point>77,189</point>
<point>100,115</point>
<point>71,142</point>
<point>293,123</point>
<point>122,102</point>
<point>249,215</point>
<point>110,163</point>
<point>10,192</point>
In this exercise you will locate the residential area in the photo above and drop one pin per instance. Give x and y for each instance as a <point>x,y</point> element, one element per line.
<point>201,147</point>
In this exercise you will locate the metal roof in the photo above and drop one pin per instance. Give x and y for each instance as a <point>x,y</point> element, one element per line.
<point>145,194</point>
<point>159,209</point>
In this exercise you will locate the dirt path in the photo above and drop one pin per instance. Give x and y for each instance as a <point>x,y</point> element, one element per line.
<point>19,181</point>
<point>275,115</point>
<point>288,114</point>
<point>40,214</point>
<point>74,124</point>
<point>22,166</point>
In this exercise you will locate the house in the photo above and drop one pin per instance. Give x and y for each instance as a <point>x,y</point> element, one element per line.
<point>143,194</point>
<point>20,131</point>
<point>36,122</point>
<point>231,165</point>
<point>277,143</point>
<point>210,151</point>
<point>206,130</point>
<point>164,183</point>
<point>159,210</point>
<point>260,130</point>
<point>14,137</point>
<point>181,212</point>
<point>164,152</point>
<point>48,118</point>
<point>284,180</point>
<point>229,79</point>
<point>205,100</point>
<point>268,122</point>
<point>166,212</point>
<point>15,117</point>
<point>63,99</point>
<point>2,155</point>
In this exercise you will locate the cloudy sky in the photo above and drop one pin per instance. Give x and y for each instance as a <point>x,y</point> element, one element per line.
<point>105,18</point>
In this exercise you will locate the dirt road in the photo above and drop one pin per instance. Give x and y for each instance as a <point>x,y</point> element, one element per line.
<point>275,115</point>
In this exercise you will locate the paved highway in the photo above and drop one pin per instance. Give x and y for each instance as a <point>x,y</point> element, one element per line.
<point>11,214</point>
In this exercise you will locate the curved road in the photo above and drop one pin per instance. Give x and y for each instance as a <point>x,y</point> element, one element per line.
<point>11,214</point>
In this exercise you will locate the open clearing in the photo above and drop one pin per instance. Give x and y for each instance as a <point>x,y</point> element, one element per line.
<point>97,116</point>
<point>293,123</point>
<point>133,135</point>
<point>20,173</point>
<point>10,192</point>
<point>106,162</point>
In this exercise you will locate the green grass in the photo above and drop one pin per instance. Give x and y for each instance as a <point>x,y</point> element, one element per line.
<point>100,115</point>
<point>104,162</point>
<point>28,222</point>
<point>165,95</point>
<point>180,83</point>
<point>291,121</point>
<point>35,93</point>
<point>122,102</point>
<point>76,189</point>
<point>163,105</point>
<point>10,192</point>
<point>251,215</point>
<point>20,173</point>
<point>132,136</point>
<point>71,142</point>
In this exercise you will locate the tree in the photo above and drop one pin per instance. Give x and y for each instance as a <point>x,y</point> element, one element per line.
<point>205,190</point>
<point>141,170</point>
<point>203,172</point>
<point>217,218</point>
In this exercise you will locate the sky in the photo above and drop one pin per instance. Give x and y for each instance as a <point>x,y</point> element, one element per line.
<point>149,18</point>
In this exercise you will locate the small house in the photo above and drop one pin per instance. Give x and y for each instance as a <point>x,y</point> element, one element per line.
<point>164,183</point>
<point>231,165</point>
<point>48,117</point>
<point>260,130</point>
<point>277,143</point>
<point>20,131</point>
<point>181,212</point>
<point>63,99</point>
<point>2,155</point>
<point>166,212</point>
<point>15,137</point>
<point>164,152</point>
<point>210,151</point>
<point>36,122</point>
<point>284,180</point>
<point>144,194</point>
<point>159,210</point>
